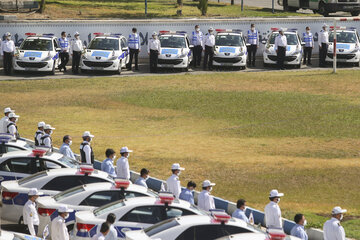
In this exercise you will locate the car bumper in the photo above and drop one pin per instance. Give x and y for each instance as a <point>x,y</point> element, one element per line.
<point>229,61</point>
<point>42,66</point>
<point>342,7</point>
<point>350,57</point>
<point>11,213</point>
<point>289,60</point>
<point>111,65</point>
<point>173,63</point>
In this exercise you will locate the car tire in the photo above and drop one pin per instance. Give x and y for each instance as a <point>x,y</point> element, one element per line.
<point>53,69</point>
<point>21,221</point>
<point>355,13</point>
<point>322,9</point>
<point>119,68</point>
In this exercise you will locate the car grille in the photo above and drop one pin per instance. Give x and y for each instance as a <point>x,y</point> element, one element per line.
<point>97,64</point>
<point>227,60</point>
<point>31,64</point>
<point>287,58</point>
<point>170,61</point>
<point>341,56</point>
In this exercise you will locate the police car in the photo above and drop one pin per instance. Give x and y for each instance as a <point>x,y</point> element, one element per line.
<point>293,51</point>
<point>230,49</point>
<point>6,235</point>
<point>347,46</point>
<point>38,52</point>
<point>15,193</point>
<point>10,144</point>
<point>106,52</point>
<point>271,235</point>
<point>87,197</point>
<point>175,50</point>
<point>133,214</point>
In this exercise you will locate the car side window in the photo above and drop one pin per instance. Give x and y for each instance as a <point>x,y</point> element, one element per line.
<point>187,234</point>
<point>55,44</point>
<point>18,165</point>
<point>12,149</point>
<point>5,166</point>
<point>187,41</point>
<point>129,194</point>
<point>100,198</point>
<point>43,165</point>
<point>210,231</point>
<point>145,214</point>
<point>123,43</point>
<point>63,183</point>
<point>177,212</point>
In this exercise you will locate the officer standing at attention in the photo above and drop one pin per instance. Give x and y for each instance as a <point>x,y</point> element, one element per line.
<point>64,52</point>
<point>273,212</point>
<point>205,200</point>
<point>86,152</point>
<point>39,133</point>
<point>122,164</point>
<point>187,193</point>
<point>280,47</point>
<point>108,164</point>
<point>253,40</point>
<point>209,43</point>
<point>323,45</point>
<point>7,51</point>
<point>309,45</point>
<point>65,147</point>
<point>11,127</point>
<point>104,230</point>
<point>154,52</point>
<point>46,140</point>
<point>144,175</point>
<point>59,230</point>
<point>240,211</point>
<point>134,48</point>
<point>298,230</point>
<point>332,228</point>
<point>76,49</point>
<point>173,182</point>
<point>198,42</point>
<point>5,120</point>
<point>30,214</point>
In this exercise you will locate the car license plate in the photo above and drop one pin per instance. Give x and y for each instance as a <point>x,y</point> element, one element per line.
<point>226,64</point>
<point>168,65</point>
<point>31,69</point>
<point>97,68</point>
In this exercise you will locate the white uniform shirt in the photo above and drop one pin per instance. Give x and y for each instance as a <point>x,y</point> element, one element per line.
<point>86,148</point>
<point>98,236</point>
<point>154,44</point>
<point>7,46</point>
<point>206,201</point>
<point>333,230</point>
<point>280,41</point>
<point>173,185</point>
<point>12,129</point>
<point>141,181</point>
<point>122,168</point>
<point>58,229</point>
<point>273,216</point>
<point>3,124</point>
<point>30,216</point>
<point>47,141</point>
<point>112,235</point>
<point>76,45</point>
<point>209,40</point>
<point>323,37</point>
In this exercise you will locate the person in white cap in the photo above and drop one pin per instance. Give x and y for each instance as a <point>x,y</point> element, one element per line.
<point>30,215</point>
<point>280,48</point>
<point>209,44</point>
<point>205,200</point>
<point>39,133</point>
<point>11,127</point>
<point>86,152</point>
<point>59,230</point>
<point>76,48</point>
<point>122,164</point>
<point>332,227</point>
<point>5,120</point>
<point>46,140</point>
<point>173,182</point>
<point>7,51</point>
<point>154,52</point>
<point>272,211</point>
<point>323,45</point>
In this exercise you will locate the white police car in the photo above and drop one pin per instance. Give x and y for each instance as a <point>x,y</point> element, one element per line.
<point>15,193</point>
<point>175,50</point>
<point>106,52</point>
<point>38,52</point>
<point>271,235</point>
<point>133,214</point>
<point>10,144</point>
<point>347,46</point>
<point>293,51</point>
<point>87,197</point>
<point>6,235</point>
<point>230,49</point>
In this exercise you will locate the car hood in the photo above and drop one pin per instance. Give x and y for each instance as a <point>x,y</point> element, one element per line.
<point>35,56</point>
<point>227,51</point>
<point>343,48</point>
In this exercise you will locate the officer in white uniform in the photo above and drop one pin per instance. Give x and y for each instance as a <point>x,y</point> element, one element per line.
<point>280,47</point>
<point>30,214</point>
<point>122,164</point>
<point>104,230</point>
<point>76,48</point>
<point>11,127</point>
<point>154,52</point>
<point>197,40</point>
<point>59,230</point>
<point>134,45</point>
<point>86,152</point>
<point>272,211</point>
<point>323,45</point>
<point>253,40</point>
<point>173,182</point>
<point>46,140</point>
<point>209,43</point>
<point>144,175</point>
<point>7,51</point>
<point>205,200</point>
<point>309,45</point>
<point>332,228</point>
<point>39,133</point>
<point>5,120</point>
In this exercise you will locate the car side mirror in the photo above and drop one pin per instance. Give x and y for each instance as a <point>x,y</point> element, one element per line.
<point>58,49</point>
<point>124,49</point>
<point>263,42</point>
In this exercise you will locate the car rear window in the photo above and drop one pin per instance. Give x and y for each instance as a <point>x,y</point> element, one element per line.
<point>69,192</point>
<point>108,208</point>
<point>32,177</point>
<point>69,162</point>
<point>161,226</point>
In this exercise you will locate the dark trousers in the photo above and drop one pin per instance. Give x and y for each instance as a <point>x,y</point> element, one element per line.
<point>323,52</point>
<point>154,54</point>
<point>64,56</point>
<point>197,51</point>
<point>252,53</point>
<point>36,228</point>
<point>208,57</point>
<point>76,61</point>
<point>133,52</point>
<point>7,58</point>
<point>307,55</point>
<point>281,56</point>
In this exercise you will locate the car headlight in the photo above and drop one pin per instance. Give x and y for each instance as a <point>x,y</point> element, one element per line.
<point>84,57</point>
<point>296,52</point>
<point>241,53</point>
<point>215,52</point>
<point>182,55</point>
<point>268,51</point>
<point>48,58</point>
<point>113,58</point>
<point>355,50</point>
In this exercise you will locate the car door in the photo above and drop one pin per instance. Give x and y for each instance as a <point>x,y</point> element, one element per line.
<point>16,168</point>
<point>124,45</point>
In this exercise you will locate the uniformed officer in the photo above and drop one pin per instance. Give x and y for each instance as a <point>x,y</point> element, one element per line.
<point>11,127</point>
<point>272,211</point>
<point>5,120</point>
<point>280,47</point>
<point>323,45</point>
<point>298,230</point>
<point>173,182</point>
<point>59,230</point>
<point>205,200</point>
<point>122,164</point>
<point>108,164</point>
<point>39,133</point>
<point>197,41</point>
<point>309,45</point>
<point>332,228</point>
<point>64,52</point>
<point>104,230</point>
<point>76,49</point>
<point>86,152</point>
<point>134,45</point>
<point>7,51</point>
<point>253,40</point>
<point>110,220</point>
<point>209,43</point>
<point>144,175</point>
<point>154,52</point>
<point>240,211</point>
<point>65,147</point>
<point>30,215</point>
<point>187,193</point>
<point>46,140</point>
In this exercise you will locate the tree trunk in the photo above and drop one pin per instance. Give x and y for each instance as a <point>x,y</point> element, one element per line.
<point>42,6</point>
<point>232,2</point>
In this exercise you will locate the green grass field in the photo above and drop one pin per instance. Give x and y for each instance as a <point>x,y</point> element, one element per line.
<point>248,132</point>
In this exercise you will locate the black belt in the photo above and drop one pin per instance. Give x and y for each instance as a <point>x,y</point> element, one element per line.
<point>281,47</point>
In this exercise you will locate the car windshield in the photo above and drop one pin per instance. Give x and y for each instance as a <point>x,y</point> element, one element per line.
<point>104,44</point>
<point>343,37</point>
<point>229,40</point>
<point>69,162</point>
<point>28,146</point>
<point>32,177</point>
<point>68,193</point>
<point>37,44</point>
<point>109,207</point>
<point>172,42</point>
<point>161,226</point>
<point>291,38</point>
